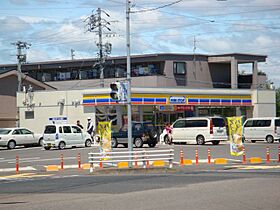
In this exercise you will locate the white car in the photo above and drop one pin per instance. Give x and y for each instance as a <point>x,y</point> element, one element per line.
<point>260,129</point>
<point>199,130</point>
<point>65,135</point>
<point>12,137</point>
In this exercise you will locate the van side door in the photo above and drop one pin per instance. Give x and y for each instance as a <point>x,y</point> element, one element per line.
<point>248,129</point>
<point>277,127</point>
<point>77,135</point>
<point>197,127</point>
<point>178,130</point>
<point>263,128</point>
<point>67,135</point>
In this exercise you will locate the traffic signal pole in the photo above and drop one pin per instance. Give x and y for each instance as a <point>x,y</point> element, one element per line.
<point>128,67</point>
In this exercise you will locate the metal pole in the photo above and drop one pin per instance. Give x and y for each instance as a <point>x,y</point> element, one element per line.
<point>19,66</point>
<point>100,48</point>
<point>129,129</point>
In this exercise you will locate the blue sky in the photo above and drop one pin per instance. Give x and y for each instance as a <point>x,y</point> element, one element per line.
<point>55,27</point>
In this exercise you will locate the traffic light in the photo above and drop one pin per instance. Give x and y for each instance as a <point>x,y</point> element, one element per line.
<point>115,93</point>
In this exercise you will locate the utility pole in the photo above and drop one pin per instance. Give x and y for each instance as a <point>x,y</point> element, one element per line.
<point>100,48</point>
<point>194,58</point>
<point>128,67</point>
<point>21,59</point>
<point>72,54</point>
<point>95,24</point>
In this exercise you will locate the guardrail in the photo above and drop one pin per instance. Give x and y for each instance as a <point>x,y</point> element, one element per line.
<point>143,156</point>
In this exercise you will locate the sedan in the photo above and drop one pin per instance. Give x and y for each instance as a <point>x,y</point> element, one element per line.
<point>12,137</point>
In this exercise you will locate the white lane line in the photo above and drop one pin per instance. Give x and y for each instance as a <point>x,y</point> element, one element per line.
<point>43,160</point>
<point>20,159</point>
<point>27,168</point>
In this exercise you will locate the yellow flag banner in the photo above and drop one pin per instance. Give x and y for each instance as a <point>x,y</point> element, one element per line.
<point>104,129</point>
<point>235,135</point>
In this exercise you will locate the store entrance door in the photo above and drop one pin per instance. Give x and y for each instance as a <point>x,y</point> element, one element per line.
<point>170,117</point>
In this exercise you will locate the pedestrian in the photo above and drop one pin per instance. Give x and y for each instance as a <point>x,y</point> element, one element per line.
<point>79,124</point>
<point>168,131</point>
<point>90,127</point>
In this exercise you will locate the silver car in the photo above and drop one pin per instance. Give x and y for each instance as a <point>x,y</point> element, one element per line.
<point>12,137</point>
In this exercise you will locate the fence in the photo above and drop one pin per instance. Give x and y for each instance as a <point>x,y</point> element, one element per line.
<point>143,156</point>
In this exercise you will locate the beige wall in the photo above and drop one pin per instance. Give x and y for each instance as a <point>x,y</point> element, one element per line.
<point>46,106</point>
<point>198,75</point>
<point>264,102</point>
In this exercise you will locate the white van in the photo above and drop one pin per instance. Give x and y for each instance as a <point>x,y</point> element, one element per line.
<point>65,135</point>
<point>199,130</point>
<point>260,129</point>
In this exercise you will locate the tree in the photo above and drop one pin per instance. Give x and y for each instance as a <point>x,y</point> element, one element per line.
<point>278,102</point>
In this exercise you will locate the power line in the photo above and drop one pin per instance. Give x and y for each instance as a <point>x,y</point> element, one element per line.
<point>157,8</point>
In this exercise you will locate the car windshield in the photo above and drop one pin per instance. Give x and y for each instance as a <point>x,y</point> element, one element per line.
<point>5,131</point>
<point>218,122</point>
<point>148,125</point>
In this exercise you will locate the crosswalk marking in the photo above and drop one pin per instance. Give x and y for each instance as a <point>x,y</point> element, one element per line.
<point>252,167</point>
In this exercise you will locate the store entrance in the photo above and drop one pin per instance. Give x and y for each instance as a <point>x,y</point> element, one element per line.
<point>170,117</point>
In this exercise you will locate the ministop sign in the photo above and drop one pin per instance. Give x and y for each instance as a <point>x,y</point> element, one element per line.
<point>177,100</point>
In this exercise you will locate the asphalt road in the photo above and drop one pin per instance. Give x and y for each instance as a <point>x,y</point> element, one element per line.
<point>37,158</point>
<point>184,190</point>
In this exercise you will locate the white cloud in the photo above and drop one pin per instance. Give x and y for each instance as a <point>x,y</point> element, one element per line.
<point>19,2</point>
<point>13,24</point>
<point>248,27</point>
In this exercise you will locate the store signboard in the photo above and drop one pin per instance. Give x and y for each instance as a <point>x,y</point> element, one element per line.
<point>165,108</point>
<point>184,108</point>
<point>58,120</point>
<point>177,100</point>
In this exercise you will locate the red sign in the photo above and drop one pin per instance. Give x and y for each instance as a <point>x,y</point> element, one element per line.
<point>184,108</point>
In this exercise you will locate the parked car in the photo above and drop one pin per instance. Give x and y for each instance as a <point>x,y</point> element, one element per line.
<point>260,129</point>
<point>65,135</point>
<point>12,137</point>
<point>199,130</point>
<point>142,133</point>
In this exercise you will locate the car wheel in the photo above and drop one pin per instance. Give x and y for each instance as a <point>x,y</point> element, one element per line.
<point>269,139</point>
<point>61,145</point>
<point>88,143</point>
<point>114,143</point>
<point>11,144</point>
<point>215,142</point>
<point>253,141</point>
<point>138,142</point>
<point>40,142</point>
<point>47,148</point>
<point>200,140</point>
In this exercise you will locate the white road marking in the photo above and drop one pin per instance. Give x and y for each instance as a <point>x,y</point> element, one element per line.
<point>27,168</point>
<point>43,160</point>
<point>20,159</point>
